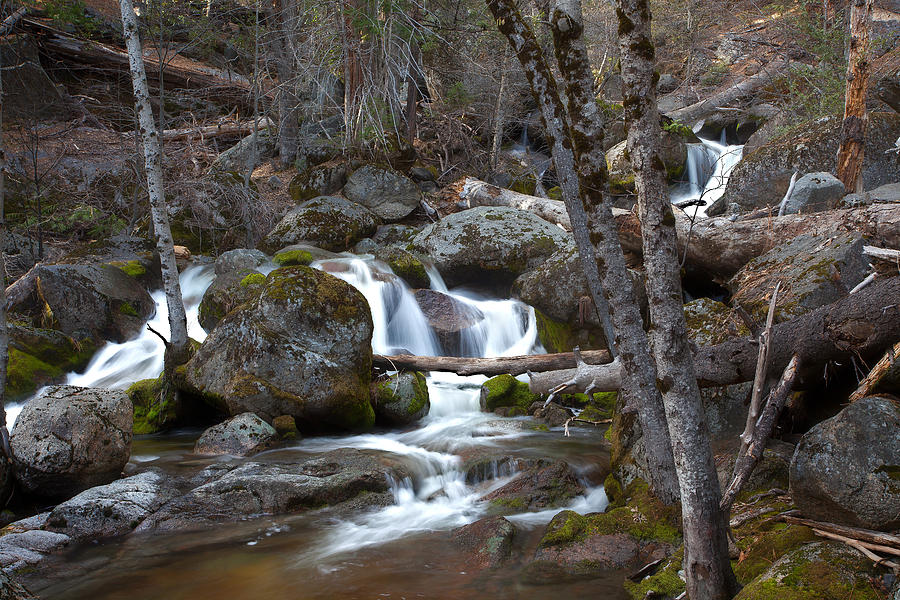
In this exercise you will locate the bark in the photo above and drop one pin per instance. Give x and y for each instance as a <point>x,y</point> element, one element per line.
<point>604,263</point>
<point>743,89</point>
<point>707,566</point>
<point>177,348</point>
<point>716,247</point>
<point>288,103</point>
<point>864,325</point>
<point>853,131</point>
<point>499,115</point>
<point>512,365</point>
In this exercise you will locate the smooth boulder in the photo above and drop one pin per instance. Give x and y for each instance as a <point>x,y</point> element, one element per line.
<point>449,318</point>
<point>301,347</point>
<point>329,222</point>
<point>242,435</point>
<point>847,469</point>
<point>401,399</point>
<point>489,245</point>
<point>69,439</point>
<point>814,192</point>
<point>386,193</point>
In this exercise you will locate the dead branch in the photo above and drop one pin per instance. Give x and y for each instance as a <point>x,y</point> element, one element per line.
<point>867,385</point>
<point>513,365</point>
<point>856,533</point>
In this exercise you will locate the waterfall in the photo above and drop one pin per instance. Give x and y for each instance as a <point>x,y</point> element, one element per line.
<point>708,166</point>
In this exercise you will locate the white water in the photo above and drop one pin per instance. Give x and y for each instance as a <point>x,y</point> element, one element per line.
<point>708,166</point>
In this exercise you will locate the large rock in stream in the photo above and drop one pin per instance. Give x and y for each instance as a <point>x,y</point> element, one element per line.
<point>489,245</point>
<point>329,222</point>
<point>69,439</point>
<point>386,193</point>
<point>449,318</point>
<point>302,347</point>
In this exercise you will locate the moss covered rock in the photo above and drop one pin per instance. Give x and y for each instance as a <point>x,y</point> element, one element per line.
<point>329,222</point>
<point>539,484</point>
<point>227,292</point>
<point>301,347</point>
<point>385,192</point>
<point>673,152</point>
<point>41,356</point>
<point>406,265</point>
<point>154,406</point>
<point>401,399</point>
<point>506,390</point>
<point>320,180</point>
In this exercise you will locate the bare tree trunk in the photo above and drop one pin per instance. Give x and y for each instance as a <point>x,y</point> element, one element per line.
<point>606,261</point>
<point>853,130</point>
<point>499,115</point>
<point>288,103</point>
<point>707,567</point>
<point>4,333</point>
<point>177,347</point>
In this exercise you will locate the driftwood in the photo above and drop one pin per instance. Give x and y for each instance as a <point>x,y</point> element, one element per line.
<point>214,131</point>
<point>21,288</point>
<point>865,324</point>
<point>211,82</point>
<point>514,365</point>
<point>864,535</point>
<point>718,247</point>
<point>743,89</point>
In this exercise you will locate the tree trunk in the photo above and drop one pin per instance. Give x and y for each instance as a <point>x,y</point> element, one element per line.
<point>707,567</point>
<point>853,130</point>
<point>6,472</point>
<point>288,103</point>
<point>499,115</point>
<point>606,262</point>
<point>177,347</point>
<point>512,365</point>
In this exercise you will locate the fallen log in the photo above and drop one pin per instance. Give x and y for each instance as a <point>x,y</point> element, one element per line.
<point>864,325</point>
<point>716,247</point>
<point>513,365</point>
<point>213,131</point>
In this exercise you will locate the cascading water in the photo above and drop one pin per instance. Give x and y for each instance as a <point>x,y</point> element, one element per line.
<point>708,166</point>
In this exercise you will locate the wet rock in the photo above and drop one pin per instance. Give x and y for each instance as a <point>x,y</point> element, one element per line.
<point>253,488</point>
<point>242,435</point>
<point>449,318</point>
<point>319,180</point>
<point>543,484</point>
<point>20,550</point>
<point>505,391</point>
<point>817,570</point>
<point>241,259</point>
<point>69,439</point>
<point>401,399</point>
<point>814,270</point>
<point>762,177</point>
<point>227,292</point>
<point>487,543</point>
<point>302,348</point>
<point>386,193</point>
<point>112,509</point>
<point>41,356</point>
<point>406,265</point>
<point>286,427</point>
<point>329,222</point>
<point>847,469</point>
<point>673,151</point>
<point>552,414</point>
<point>490,245</point>
<point>300,254</point>
<point>815,192</point>
<point>100,302</point>
<point>10,589</point>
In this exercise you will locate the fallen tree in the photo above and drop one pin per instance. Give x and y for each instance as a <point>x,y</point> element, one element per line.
<point>862,325</point>
<point>716,247</point>
<point>513,365</point>
<point>206,132</point>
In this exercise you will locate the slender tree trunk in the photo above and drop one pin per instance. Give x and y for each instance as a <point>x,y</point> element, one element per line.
<point>177,347</point>
<point>4,332</point>
<point>499,115</point>
<point>606,261</point>
<point>707,567</point>
<point>288,103</point>
<point>853,131</point>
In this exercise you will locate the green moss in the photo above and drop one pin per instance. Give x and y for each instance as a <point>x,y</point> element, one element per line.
<point>127,309</point>
<point>292,257</point>
<point>407,267</point>
<point>132,268</point>
<point>253,279</point>
<point>555,336</point>
<point>540,427</point>
<point>509,504</point>
<point>592,413</point>
<point>506,390</point>
<point>154,405</point>
<point>555,193</point>
<point>761,548</point>
<point>665,583</point>
<point>25,371</point>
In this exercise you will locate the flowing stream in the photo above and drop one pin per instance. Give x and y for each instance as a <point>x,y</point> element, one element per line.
<point>708,166</point>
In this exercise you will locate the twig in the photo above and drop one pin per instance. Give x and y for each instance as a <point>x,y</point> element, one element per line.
<point>10,21</point>
<point>865,548</point>
<point>869,279</point>
<point>158,334</point>
<point>749,516</point>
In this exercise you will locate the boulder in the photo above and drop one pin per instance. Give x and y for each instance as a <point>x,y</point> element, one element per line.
<point>385,192</point>
<point>489,245</point>
<point>449,318</point>
<point>817,570</point>
<point>236,492</point>
<point>41,356</point>
<point>319,180</point>
<point>329,222</point>
<point>673,151</point>
<point>552,414</point>
<point>814,270</point>
<point>762,177</point>
<point>100,302</point>
<point>112,509</point>
<point>815,192</point>
<point>486,543</point>
<point>240,259</point>
<point>394,234</point>
<point>847,469</point>
<point>242,435</point>
<point>135,256</point>
<point>302,348</point>
<point>542,484</point>
<point>228,291</point>
<point>69,439</point>
<point>401,399</point>
<point>300,254</point>
<point>23,550</point>
<point>247,153</point>
<point>406,265</point>
<point>505,391</point>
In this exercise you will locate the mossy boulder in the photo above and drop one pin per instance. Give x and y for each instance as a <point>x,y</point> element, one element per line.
<point>301,347</point>
<point>41,356</point>
<point>489,245</point>
<point>154,406</point>
<point>763,175</point>
<point>385,192</point>
<point>673,151</point>
<point>486,543</point>
<point>401,399</point>
<point>814,270</point>
<point>405,265</point>
<point>240,259</point>
<point>540,484</point>
<point>87,301</point>
<point>227,292</point>
<point>329,222</point>
<point>292,257</point>
<point>847,469</point>
<point>320,180</point>
<point>815,571</point>
<point>506,391</point>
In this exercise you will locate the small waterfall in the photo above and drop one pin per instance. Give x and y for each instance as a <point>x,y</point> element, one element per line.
<point>708,166</point>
